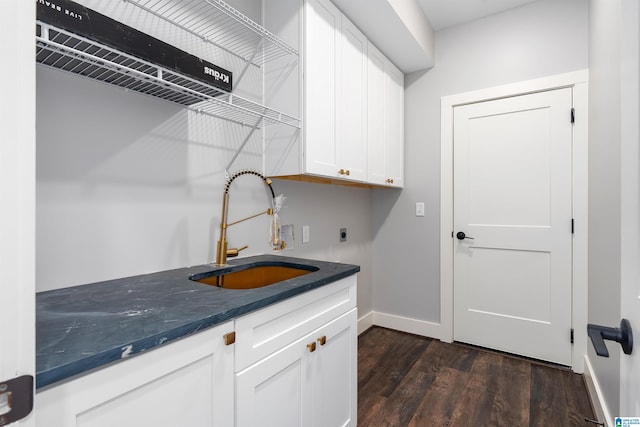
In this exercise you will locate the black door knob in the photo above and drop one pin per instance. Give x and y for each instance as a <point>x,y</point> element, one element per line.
<point>461,236</point>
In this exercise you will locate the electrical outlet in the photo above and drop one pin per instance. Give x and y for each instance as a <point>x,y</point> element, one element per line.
<point>343,234</point>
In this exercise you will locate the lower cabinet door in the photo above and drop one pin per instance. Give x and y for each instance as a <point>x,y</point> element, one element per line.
<point>186,383</point>
<point>311,382</point>
<point>334,373</point>
<point>275,391</point>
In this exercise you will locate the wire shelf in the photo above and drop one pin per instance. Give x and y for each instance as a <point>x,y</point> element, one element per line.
<point>218,23</point>
<point>60,49</point>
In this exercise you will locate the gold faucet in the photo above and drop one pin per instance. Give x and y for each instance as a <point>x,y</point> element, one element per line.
<point>222,252</point>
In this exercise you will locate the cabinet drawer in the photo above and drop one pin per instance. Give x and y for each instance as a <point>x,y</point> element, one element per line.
<point>263,332</point>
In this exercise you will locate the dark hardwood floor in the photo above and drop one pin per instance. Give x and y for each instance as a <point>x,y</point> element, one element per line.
<point>407,380</point>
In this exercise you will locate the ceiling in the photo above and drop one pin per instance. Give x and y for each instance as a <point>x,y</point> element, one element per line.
<point>400,28</point>
<point>448,13</point>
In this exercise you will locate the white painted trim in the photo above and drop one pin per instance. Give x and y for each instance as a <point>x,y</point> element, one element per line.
<point>17,193</point>
<point>595,394</point>
<point>578,80</point>
<point>365,322</point>
<point>581,225</point>
<point>406,324</point>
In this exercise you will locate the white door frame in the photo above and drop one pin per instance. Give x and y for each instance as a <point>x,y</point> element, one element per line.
<point>579,82</point>
<point>17,193</point>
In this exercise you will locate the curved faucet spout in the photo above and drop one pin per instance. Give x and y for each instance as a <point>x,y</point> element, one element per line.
<point>222,252</point>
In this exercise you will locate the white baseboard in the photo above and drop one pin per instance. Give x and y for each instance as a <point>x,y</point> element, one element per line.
<point>365,322</point>
<point>596,395</point>
<point>399,323</point>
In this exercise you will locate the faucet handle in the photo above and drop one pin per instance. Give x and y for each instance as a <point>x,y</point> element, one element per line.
<point>233,252</point>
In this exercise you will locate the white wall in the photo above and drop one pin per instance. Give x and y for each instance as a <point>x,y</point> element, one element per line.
<point>613,189</point>
<point>128,184</point>
<point>540,39</point>
<point>604,187</point>
<point>630,194</point>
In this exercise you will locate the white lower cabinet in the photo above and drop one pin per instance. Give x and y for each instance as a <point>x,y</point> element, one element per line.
<point>310,382</point>
<point>294,363</point>
<point>185,383</point>
<point>334,373</point>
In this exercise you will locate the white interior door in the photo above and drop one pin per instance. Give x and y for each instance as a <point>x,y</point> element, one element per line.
<point>512,199</point>
<point>17,199</point>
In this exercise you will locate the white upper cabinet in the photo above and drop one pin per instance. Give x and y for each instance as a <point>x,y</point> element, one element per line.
<point>322,133</point>
<point>335,94</point>
<point>353,105</point>
<point>348,120</point>
<point>385,121</point>
<point>394,130</point>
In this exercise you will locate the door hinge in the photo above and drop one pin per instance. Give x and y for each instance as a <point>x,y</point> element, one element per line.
<point>573,115</point>
<point>16,395</point>
<point>571,336</point>
<point>572,226</point>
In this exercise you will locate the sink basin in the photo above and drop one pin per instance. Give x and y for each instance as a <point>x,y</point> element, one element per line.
<point>252,277</point>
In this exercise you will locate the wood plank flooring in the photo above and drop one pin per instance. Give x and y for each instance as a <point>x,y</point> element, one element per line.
<point>407,380</point>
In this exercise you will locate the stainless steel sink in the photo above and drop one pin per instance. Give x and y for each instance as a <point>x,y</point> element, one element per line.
<point>252,277</point>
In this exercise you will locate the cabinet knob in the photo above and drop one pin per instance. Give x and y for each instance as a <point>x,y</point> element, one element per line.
<point>311,347</point>
<point>322,340</point>
<point>344,172</point>
<point>229,338</point>
<point>389,181</point>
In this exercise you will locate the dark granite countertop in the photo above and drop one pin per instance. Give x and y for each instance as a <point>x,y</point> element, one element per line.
<point>89,326</point>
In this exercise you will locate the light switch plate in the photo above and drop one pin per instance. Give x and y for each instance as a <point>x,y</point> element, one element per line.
<point>305,234</point>
<point>419,209</point>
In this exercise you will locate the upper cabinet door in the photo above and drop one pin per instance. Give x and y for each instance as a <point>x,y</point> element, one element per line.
<point>336,94</point>
<point>376,172</point>
<point>353,105</point>
<point>385,121</point>
<point>394,125</point>
<point>322,130</point>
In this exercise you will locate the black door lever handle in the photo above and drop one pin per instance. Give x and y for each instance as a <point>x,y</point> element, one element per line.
<point>622,335</point>
<point>461,236</point>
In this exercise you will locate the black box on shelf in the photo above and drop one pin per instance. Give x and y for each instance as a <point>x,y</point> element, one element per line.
<point>85,22</point>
